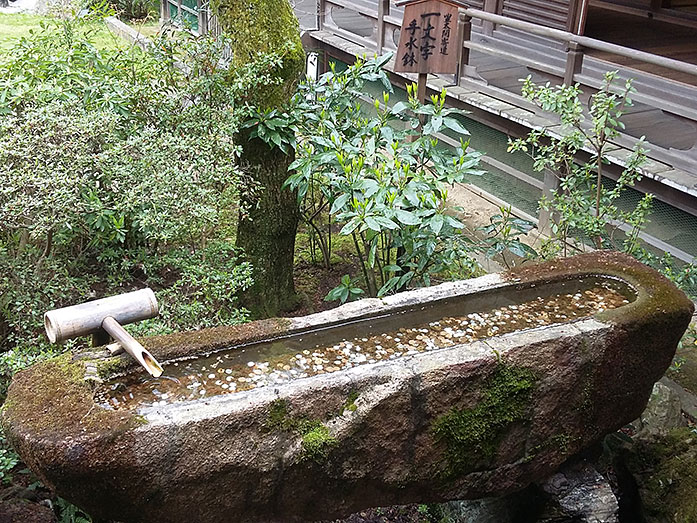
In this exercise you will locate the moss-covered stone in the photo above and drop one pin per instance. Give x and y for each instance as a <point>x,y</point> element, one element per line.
<point>559,442</point>
<point>109,367</point>
<point>52,398</point>
<point>665,469</point>
<point>315,436</point>
<point>472,436</point>
<point>350,404</point>
<point>317,443</point>
<point>657,296</point>
<point>206,341</point>
<point>278,417</point>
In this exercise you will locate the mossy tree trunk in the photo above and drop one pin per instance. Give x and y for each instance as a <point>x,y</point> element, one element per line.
<point>267,233</point>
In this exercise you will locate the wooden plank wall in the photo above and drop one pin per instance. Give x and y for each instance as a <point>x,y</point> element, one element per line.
<point>550,13</point>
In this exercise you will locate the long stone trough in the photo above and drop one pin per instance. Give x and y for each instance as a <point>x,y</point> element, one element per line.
<point>500,400</point>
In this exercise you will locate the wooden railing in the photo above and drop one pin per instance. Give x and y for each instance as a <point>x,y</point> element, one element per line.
<point>375,24</point>
<point>387,21</point>
<point>575,45</point>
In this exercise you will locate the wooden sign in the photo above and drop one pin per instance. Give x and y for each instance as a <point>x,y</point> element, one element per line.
<point>428,38</point>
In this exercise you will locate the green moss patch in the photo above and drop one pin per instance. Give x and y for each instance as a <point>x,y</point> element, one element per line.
<point>350,404</point>
<point>278,417</point>
<point>559,442</point>
<point>316,439</point>
<point>52,399</point>
<point>666,474</point>
<point>317,443</point>
<point>110,366</point>
<point>472,436</point>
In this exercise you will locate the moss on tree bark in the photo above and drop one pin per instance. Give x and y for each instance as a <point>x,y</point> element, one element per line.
<point>267,233</point>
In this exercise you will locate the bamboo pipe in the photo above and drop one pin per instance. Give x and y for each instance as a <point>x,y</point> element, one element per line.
<point>86,318</point>
<point>132,347</point>
<point>107,314</point>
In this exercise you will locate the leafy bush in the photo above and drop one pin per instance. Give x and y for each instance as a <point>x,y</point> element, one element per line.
<point>134,9</point>
<point>582,205</point>
<point>8,459</point>
<point>380,176</point>
<point>119,170</point>
<point>69,513</point>
<point>585,212</point>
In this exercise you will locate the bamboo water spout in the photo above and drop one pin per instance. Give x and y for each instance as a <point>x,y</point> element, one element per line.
<point>107,316</point>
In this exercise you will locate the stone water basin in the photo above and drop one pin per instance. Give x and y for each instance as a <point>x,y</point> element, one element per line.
<point>463,390</point>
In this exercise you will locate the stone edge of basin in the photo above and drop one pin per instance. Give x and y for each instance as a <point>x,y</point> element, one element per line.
<point>655,293</point>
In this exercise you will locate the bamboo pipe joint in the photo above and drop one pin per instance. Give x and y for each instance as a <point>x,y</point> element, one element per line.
<point>107,315</point>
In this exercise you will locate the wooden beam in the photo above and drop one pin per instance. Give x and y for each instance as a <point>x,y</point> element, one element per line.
<point>464,31</point>
<point>574,62</point>
<point>490,6</point>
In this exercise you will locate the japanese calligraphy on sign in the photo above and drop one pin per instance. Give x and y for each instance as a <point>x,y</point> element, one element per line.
<point>427,41</point>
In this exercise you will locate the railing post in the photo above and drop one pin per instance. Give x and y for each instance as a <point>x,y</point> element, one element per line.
<point>574,62</point>
<point>202,17</point>
<point>383,10</point>
<point>490,6</point>
<point>320,14</point>
<point>464,33</point>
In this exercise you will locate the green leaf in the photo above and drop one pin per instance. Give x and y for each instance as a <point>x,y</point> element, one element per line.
<point>339,203</point>
<point>381,61</point>
<point>436,123</point>
<point>425,109</point>
<point>389,285</point>
<point>399,107</point>
<point>454,223</point>
<point>370,187</point>
<point>386,222</point>
<point>406,217</point>
<point>436,223</point>
<point>454,125</point>
<point>372,223</point>
<point>351,226</point>
<point>371,253</point>
<point>370,147</point>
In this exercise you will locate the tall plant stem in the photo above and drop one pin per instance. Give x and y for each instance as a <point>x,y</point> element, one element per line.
<point>362,261</point>
<point>599,184</point>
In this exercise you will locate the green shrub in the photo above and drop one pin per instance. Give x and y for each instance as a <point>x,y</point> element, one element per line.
<point>134,9</point>
<point>587,213</point>
<point>119,169</point>
<point>382,178</point>
<point>8,459</point>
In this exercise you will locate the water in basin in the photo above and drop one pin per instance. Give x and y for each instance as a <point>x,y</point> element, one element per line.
<point>437,325</point>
